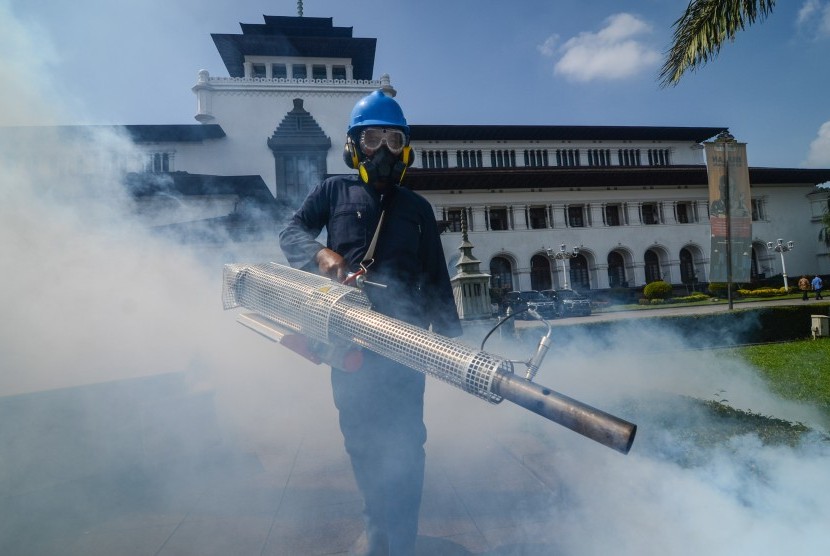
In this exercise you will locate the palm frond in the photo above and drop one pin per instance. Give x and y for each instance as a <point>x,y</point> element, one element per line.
<point>701,31</point>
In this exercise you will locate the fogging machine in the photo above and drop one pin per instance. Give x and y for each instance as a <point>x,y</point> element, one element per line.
<point>329,322</point>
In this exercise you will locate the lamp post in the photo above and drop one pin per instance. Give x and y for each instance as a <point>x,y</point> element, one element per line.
<point>562,255</point>
<point>780,247</point>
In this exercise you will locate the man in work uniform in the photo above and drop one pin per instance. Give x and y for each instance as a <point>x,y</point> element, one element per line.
<point>381,405</point>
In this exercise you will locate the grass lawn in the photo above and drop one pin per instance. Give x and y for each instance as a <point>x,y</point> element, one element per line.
<point>795,370</point>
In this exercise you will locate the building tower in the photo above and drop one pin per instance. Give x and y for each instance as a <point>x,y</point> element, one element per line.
<point>470,286</point>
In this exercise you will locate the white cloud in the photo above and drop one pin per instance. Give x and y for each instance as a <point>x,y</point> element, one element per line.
<point>548,48</point>
<point>806,11</point>
<point>814,17</point>
<point>819,155</point>
<point>614,52</point>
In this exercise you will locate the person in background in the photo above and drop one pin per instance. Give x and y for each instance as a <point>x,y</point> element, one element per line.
<point>817,286</point>
<point>804,286</point>
<point>381,405</point>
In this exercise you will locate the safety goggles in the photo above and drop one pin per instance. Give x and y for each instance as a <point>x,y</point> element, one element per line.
<point>372,138</point>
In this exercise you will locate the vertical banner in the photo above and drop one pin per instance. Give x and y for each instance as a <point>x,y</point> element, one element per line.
<point>730,212</point>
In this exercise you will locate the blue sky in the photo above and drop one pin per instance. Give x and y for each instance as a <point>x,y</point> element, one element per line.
<point>569,62</point>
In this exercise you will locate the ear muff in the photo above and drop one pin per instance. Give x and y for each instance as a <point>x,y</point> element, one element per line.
<point>408,156</point>
<point>368,171</point>
<point>350,154</point>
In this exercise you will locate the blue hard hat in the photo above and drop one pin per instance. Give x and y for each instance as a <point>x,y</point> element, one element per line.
<point>377,109</point>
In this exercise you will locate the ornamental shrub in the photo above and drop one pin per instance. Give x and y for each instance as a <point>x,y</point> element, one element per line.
<point>717,289</point>
<point>762,292</point>
<point>657,290</point>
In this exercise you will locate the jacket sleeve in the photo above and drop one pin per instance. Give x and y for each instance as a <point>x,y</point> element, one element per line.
<point>440,310</point>
<point>299,238</point>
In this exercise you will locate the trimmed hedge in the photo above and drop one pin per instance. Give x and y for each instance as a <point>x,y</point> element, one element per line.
<point>657,290</point>
<point>726,328</point>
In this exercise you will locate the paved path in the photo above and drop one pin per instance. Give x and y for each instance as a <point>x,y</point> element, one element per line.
<point>492,484</point>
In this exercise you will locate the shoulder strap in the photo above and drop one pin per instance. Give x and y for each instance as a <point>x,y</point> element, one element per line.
<point>386,202</point>
<point>368,258</point>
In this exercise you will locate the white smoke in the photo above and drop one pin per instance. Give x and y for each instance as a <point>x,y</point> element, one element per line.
<point>90,298</point>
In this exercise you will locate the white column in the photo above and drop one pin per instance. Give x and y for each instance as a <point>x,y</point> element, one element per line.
<point>559,216</point>
<point>249,69</point>
<point>478,218</point>
<point>519,216</point>
<point>596,215</point>
<point>634,216</point>
<point>669,216</point>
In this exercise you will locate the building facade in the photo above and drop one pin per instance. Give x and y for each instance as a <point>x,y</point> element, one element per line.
<point>633,200</point>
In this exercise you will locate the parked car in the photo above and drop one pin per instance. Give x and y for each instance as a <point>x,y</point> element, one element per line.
<point>515,302</point>
<point>568,302</point>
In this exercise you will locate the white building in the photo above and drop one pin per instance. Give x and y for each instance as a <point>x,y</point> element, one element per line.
<point>633,199</point>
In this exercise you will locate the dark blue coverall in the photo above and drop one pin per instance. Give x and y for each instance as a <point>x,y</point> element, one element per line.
<point>381,405</point>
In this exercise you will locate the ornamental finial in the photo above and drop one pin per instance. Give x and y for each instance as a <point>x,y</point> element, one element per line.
<point>300,8</point>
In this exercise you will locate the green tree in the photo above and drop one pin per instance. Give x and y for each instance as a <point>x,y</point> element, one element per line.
<point>701,31</point>
<point>824,234</point>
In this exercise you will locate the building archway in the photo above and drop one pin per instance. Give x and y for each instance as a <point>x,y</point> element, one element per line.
<point>652,266</point>
<point>616,270</point>
<point>501,274</point>
<point>692,263</point>
<point>540,273</point>
<point>580,278</point>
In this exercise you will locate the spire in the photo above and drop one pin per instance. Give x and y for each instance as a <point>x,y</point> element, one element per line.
<point>300,8</point>
<point>470,285</point>
<point>467,264</point>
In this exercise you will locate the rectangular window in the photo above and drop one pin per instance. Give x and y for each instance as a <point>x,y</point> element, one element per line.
<point>318,72</point>
<point>628,157</point>
<point>536,157</point>
<point>503,158</point>
<point>538,217</point>
<point>434,159</point>
<point>658,157</point>
<point>650,213</point>
<point>599,157</point>
<point>454,219</point>
<point>567,157</point>
<point>298,71</point>
<point>759,212</point>
<point>468,159</point>
<point>338,72</point>
<point>498,218</point>
<point>278,71</point>
<point>612,215</point>
<point>158,162</point>
<point>685,213</point>
<point>576,216</point>
<point>258,70</point>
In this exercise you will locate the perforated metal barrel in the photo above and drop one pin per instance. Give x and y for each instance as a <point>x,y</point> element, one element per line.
<point>335,313</point>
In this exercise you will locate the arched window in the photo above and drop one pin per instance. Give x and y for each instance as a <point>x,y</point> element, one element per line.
<point>540,278</point>
<point>579,273</point>
<point>687,267</point>
<point>616,270</point>
<point>652,266</point>
<point>753,269</point>
<point>501,274</point>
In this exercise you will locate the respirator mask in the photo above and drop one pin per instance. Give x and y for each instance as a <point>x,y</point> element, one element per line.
<point>383,148</point>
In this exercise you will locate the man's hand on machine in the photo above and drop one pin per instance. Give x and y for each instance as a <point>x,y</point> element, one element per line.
<point>331,264</point>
